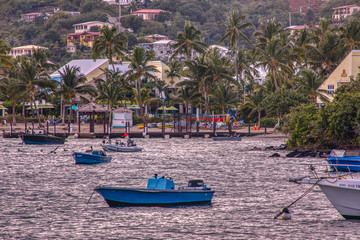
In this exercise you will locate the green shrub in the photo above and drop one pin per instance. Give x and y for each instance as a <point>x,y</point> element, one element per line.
<point>268,122</point>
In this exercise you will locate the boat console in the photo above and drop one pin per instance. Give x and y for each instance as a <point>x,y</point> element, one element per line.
<point>160,183</point>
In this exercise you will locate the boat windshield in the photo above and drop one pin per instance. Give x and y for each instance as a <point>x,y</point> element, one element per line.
<point>337,153</point>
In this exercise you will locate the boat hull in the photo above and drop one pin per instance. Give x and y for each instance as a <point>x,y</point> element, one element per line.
<point>117,148</point>
<point>348,161</point>
<point>42,139</point>
<point>84,158</point>
<point>119,197</point>
<point>344,194</point>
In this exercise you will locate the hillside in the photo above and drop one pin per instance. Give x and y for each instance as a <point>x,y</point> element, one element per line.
<point>205,14</point>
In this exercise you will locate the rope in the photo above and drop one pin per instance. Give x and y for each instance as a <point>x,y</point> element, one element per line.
<point>90,198</point>
<point>301,196</point>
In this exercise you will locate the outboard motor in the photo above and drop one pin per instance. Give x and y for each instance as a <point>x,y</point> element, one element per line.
<point>197,184</point>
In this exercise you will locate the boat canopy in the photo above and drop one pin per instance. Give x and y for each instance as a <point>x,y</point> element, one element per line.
<point>160,183</point>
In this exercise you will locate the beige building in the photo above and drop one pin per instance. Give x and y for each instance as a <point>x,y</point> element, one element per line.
<point>86,26</point>
<point>344,12</point>
<point>24,50</point>
<point>348,69</point>
<point>89,67</point>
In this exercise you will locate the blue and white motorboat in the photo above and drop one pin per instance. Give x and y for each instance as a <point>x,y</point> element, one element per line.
<point>91,158</point>
<point>160,191</point>
<point>345,160</point>
<point>119,146</point>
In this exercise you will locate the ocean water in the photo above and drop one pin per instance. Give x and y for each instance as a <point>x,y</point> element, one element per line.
<point>45,196</point>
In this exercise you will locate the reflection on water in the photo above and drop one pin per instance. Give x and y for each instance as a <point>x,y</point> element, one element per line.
<point>45,195</point>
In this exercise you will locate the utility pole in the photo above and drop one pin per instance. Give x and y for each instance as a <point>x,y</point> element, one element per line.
<point>120,3</point>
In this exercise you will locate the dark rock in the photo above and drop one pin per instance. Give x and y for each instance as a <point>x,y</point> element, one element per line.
<point>275,155</point>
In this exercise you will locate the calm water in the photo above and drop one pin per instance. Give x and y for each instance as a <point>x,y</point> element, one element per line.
<point>44,196</point>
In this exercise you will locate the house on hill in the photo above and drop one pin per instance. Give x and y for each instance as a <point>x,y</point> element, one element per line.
<point>148,14</point>
<point>347,70</point>
<point>83,39</point>
<point>86,26</point>
<point>344,12</point>
<point>24,50</point>
<point>156,37</point>
<point>29,17</point>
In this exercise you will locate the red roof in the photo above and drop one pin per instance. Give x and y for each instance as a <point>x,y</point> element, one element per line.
<point>148,11</point>
<point>91,33</point>
<point>347,6</point>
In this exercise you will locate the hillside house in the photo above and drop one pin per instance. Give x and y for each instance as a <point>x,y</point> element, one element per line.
<point>86,26</point>
<point>24,50</point>
<point>348,69</point>
<point>156,37</point>
<point>344,12</point>
<point>83,39</point>
<point>29,17</point>
<point>148,14</point>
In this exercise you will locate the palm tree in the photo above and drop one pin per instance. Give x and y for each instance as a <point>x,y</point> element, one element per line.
<point>267,31</point>
<point>5,59</point>
<point>32,81</point>
<point>302,43</point>
<point>139,69</point>
<point>246,70</point>
<point>256,102</point>
<point>308,82</point>
<point>350,34</point>
<point>234,31</point>
<point>72,83</point>
<point>173,71</point>
<point>9,93</point>
<point>109,43</point>
<point>187,96</point>
<point>109,90</point>
<point>224,97</point>
<point>146,97</point>
<point>188,42</point>
<point>274,56</point>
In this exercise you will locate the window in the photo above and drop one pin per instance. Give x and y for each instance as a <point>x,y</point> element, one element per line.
<point>331,89</point>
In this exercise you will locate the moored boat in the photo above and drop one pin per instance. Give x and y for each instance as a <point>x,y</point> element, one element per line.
<point>345,160</point>
<point>120,146</point>
<point>91,158</point>
<point>160,191</point>
<point>41,137</point>
<point>343,191</point>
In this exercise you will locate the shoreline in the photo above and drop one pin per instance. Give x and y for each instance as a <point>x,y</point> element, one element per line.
<point>135,131</point>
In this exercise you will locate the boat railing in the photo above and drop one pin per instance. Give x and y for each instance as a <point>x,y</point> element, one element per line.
<point>330,172</point>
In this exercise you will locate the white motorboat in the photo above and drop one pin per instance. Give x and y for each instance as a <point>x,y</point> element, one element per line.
<point>120,146</point>
<point>342,191</point>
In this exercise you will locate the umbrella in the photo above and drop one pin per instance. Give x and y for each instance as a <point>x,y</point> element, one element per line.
<point>171,108</point>
<point>133,107</point>
<point>2,107</point>
<point>74,107</point>
<point>162,108</point>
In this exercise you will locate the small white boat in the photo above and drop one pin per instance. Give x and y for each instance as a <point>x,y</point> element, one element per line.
<point>342,191</point>
<point>120,146</point>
